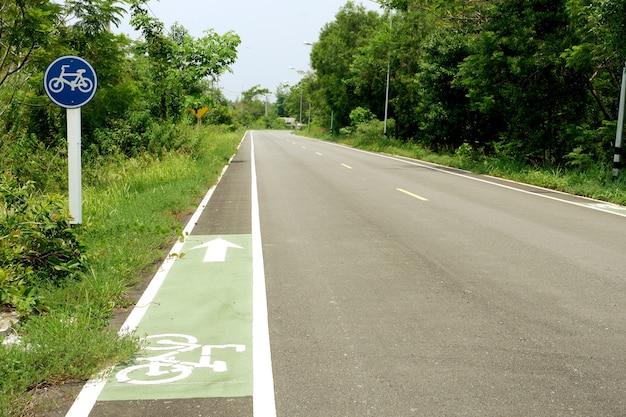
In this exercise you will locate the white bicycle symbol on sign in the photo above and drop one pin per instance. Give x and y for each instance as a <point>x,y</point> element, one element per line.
<point>57,84</point>
<point>165,368</point>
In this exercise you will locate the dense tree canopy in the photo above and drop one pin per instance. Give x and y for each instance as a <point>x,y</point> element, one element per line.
<point>332,57</point>
<point>535,80</point>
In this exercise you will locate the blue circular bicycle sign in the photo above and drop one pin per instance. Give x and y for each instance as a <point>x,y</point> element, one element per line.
<point>70,82</point>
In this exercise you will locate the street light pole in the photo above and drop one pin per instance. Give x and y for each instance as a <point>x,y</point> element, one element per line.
<point>388,72</point>
<point>387,98</point>
<point>301,91</point>
<point>388,77</point>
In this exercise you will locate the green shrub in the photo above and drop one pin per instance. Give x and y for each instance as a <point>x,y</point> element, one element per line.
<point>361,116</point>
<point>25,156</point>
<point>371,133</point>
<point>346,131</point>
<point>37,244</point>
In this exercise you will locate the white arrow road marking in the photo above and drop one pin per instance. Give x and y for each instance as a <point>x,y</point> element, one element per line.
<point>216,250</point>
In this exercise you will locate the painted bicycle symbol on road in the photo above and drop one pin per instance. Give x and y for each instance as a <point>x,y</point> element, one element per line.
<point>164,367</point>
<point>73,80</point>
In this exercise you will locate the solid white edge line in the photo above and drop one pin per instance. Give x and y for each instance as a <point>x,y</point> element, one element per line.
<point>263,400</point>
<point>86,399</point>
<point>443,169</point>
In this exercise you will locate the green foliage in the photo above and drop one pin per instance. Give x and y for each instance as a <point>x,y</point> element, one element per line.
<point>94,16</point>
<point>37,244</point>
<point>369,132</point>
<point>334,54</point>
<point>282,95</point>
<point>253,109</point>
<point>445,118</point>
<point>25,26</point>
<point>25,157</point>
<point>176,63</point>
<point>537,81</point>
<point>361,116</point>
<point>516,78</point>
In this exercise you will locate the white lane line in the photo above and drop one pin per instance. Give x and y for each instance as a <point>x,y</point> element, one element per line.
<point>346,166</point>
<point>593,204</point>
<point>88,396</point>
<point>263,401</point>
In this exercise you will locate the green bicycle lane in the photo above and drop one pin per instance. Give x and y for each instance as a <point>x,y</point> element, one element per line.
<point>198,328</point>
<point>196,317</point>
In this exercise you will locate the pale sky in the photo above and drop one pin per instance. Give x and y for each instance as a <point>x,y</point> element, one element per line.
<point>272,34</point>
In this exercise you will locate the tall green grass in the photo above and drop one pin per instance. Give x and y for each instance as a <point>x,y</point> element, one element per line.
<point>132,212</point>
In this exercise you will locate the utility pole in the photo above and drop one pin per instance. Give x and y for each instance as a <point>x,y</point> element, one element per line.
<point>617,158</point>
<point>301,90</point>
<point>388,76</point>
<point>382,5</point>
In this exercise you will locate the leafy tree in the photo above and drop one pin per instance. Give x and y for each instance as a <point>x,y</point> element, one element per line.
<point>367,78</point>
<point>176,63</point>
<point>516,78</point>
<point>254,92</point>
<point>251,108</point>
<point>207,57</point>
<point>25,27</point>
<point>438,112</point>
<point>406,47</point>
<point>294,98</point>
<point>282,94</point>
<point>307,98</point>
<point>598,52</point>
<point>94,17</point>
<point>444,116</point>
<point>333,55</point>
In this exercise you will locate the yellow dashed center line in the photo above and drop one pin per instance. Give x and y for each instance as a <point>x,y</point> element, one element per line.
<point>419,197</point>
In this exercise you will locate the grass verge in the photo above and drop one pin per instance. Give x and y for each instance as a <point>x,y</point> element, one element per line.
<point>132,213</point>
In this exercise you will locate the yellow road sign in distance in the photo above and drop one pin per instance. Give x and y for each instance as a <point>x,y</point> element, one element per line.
<point>200,112</point>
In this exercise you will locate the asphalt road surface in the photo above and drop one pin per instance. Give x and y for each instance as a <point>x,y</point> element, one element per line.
<point>394,288</point>
<point>399,289</point>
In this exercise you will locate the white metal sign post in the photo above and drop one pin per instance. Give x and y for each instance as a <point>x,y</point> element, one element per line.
<point>74,164</point>
<point>71,82</point>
